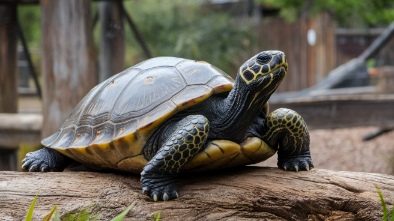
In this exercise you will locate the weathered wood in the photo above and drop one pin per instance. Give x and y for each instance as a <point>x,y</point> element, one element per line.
<point>340,111</point>
<point>385,79</point>
<point>8,160</point>
<point>16,129</point>
<point>378,43</point>
<point>8,74</point>
<point>250,193</point>
<point>68,62</point>
<point>8,59</point>
<point>111,59</point>
<point>307,63</point>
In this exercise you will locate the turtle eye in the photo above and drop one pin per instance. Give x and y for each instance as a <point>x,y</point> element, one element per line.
<point>263,58</point>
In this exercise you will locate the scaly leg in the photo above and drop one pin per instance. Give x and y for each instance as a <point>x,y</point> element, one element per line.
<point>286,131</point>
<point>158,176</point>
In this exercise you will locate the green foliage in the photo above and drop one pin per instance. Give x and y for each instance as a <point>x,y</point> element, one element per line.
<point>186,28</point>
<point>348,13</point>
<point>29,215</point>
<point>121,216</point>
<point>182,28</point>
<point>50,214</point>
<point>30,20</point>
<point>83,215</point>
<point>384,206</point>
<point>156,216</point>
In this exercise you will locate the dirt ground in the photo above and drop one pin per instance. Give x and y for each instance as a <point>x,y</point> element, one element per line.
<point>344,150</point>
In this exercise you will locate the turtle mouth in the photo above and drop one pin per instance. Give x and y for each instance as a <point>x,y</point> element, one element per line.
<point>272,79</point>
<point>279,72</point>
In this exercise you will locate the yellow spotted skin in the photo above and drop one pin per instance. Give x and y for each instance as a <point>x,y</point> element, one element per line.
<point>252,69</point>
<point>286,131</point>
<point>182,145</point>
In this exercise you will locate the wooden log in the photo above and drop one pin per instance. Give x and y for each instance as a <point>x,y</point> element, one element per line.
<point>68,61</point>
<point>248,193</point>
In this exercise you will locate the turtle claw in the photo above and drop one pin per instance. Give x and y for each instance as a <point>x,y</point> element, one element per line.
<point>297,163</point>
<point>166,197</point>
<point>33,168</point>
<point>145,191</point>
<point>45,160</point>
<point>159,187</point>
<point>154,197</point>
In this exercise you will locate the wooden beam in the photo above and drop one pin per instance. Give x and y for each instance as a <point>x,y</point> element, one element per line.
<point>16,129</point>
<point>339,111</point>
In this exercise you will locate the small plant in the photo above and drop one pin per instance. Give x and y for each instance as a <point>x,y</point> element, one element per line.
<point>81,216</point>
<point>384,206</point>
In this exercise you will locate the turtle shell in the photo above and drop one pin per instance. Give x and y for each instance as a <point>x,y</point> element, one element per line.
<point>111,124</point>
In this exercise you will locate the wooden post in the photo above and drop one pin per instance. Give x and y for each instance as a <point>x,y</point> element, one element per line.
<point>385,80</point>
<point>68,61</point>
<point>8,76</point>
<point>111,59</point>
<point>8,59</point>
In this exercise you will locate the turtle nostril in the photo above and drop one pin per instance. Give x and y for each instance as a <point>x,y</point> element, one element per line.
<point>263,58</point>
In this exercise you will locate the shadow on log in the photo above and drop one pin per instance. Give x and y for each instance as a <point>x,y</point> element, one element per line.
<point>249,193</point>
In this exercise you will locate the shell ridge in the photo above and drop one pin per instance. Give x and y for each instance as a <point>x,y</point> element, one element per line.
<point>95,95</point>
<point>120,94</point>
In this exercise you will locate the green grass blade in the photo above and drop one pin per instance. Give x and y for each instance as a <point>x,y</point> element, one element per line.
<point>57,217</point>
<point>385,211</point>
<point>29,215</point>
<point>48,217</point>
<point>156,216</point>
<point>392,214</point>
<point>121,216</point>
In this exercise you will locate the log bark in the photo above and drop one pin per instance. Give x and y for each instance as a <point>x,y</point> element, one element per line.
<point>248,193</point>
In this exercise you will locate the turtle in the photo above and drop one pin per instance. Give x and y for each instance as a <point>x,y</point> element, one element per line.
<point>168,115</point>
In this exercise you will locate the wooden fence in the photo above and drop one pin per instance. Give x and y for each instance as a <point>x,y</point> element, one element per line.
<point>308,64</point>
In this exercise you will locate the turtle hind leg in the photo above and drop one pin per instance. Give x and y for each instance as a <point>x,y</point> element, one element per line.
<point>286,131</point>
<point>158,176</point>
<point>45,160</point>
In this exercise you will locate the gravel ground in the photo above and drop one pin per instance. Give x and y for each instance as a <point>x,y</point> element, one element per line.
<point>344,150</point>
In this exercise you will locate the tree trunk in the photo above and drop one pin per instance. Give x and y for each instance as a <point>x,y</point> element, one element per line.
<point>68,63</point>
<point>249,193</point>
<point>112,39</point>
<point>8,59</point>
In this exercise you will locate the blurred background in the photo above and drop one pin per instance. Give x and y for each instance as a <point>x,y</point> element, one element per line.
<point>340,54</point>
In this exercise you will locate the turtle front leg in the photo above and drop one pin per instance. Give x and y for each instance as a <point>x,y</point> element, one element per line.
<point>158,176</point>
<point>286,131</point>
<point>45,160</point>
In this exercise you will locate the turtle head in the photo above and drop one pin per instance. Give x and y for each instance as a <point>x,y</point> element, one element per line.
<point>264,70</point>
